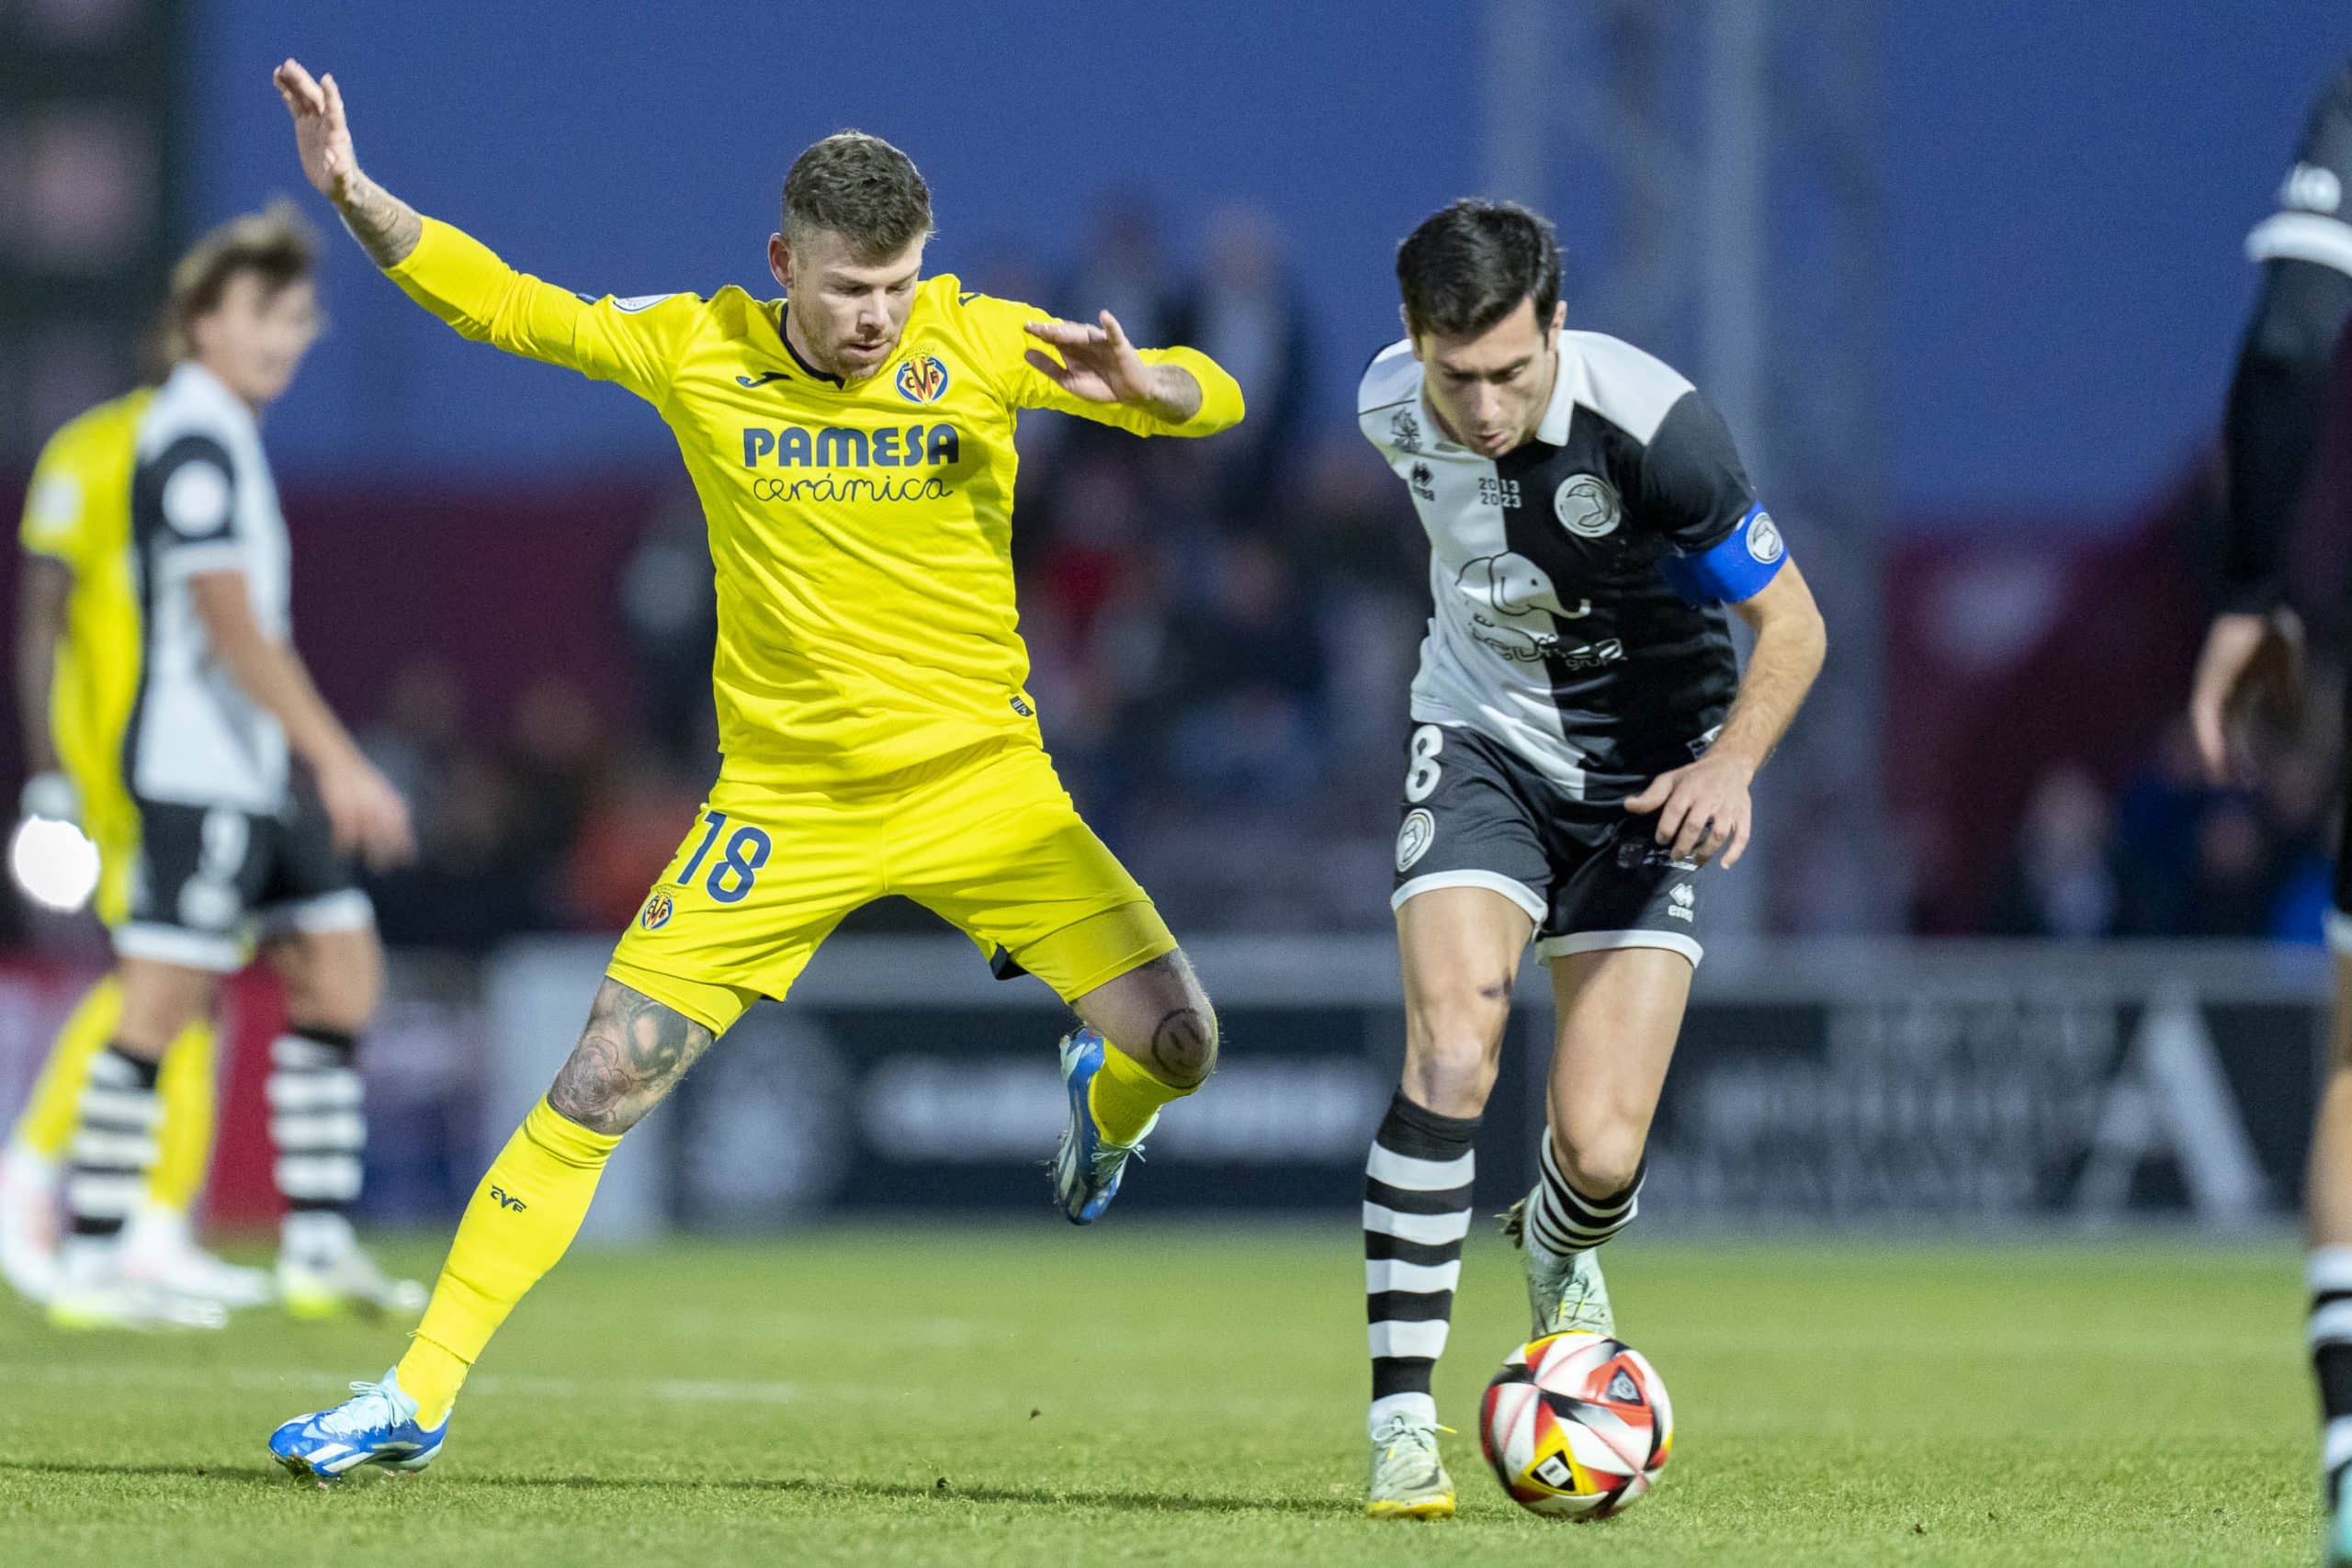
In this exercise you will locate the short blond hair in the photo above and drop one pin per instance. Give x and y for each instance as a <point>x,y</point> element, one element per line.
<point>276,243</point>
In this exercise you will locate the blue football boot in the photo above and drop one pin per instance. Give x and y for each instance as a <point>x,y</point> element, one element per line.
<point>376,1425</point>
<point>1086,1169</point>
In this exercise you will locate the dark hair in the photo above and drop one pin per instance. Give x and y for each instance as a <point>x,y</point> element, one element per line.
<point>277,243</point>
<point>860,187</point>
<point>1470,263</point>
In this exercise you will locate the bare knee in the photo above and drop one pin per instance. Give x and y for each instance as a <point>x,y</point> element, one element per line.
<point>1183,1042</point>
<point>1599,1161</point>
<point>1453,1044</point>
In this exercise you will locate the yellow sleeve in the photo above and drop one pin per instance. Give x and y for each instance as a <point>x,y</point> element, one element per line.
<point>56,506</point>
<point>637,342</point>
<point>1003,326</point>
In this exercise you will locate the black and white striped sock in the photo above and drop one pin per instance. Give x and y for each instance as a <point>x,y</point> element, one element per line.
<point>1416,1212</point>
<point>113,1149</point>
<point>1563,1221</point>
<point>315,1119</point>
<point>2329,1274</point>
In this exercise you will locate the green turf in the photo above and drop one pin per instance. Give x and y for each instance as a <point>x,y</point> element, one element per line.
<point>1023,1394</point>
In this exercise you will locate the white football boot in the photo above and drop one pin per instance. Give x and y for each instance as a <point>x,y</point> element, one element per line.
<point>348,1281</point>
<point>160,1248</point>
<point>93,1292</point>
<point>1408,1479</point>
<point>29,1222</point>
<point>1562,1298</point>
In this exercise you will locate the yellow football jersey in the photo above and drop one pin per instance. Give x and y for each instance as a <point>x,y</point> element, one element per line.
<point>77,511</point>
<point>861,534</point>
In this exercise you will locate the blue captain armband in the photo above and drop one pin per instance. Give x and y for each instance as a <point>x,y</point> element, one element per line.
<point>1735,568</point>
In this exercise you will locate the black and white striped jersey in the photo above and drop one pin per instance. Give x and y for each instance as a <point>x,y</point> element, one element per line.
<point>202,500</point>
<point>2291,354</point>
<point>1578,579</point>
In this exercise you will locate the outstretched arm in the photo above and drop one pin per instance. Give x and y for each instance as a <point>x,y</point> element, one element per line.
<point>386,227</point>
<point>636,341</point>
<point>1101,376</point>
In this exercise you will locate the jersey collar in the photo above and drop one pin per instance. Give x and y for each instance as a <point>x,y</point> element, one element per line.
<point>784,309</point>
<point>1561,412</point>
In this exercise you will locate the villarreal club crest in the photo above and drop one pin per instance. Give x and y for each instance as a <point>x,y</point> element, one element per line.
<point>923,378</point>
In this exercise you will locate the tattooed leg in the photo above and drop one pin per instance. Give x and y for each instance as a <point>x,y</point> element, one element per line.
<point>1159,1015</point>
<point>630,1055</point>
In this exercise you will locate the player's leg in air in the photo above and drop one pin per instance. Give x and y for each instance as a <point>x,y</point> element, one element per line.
<point>995,847</point>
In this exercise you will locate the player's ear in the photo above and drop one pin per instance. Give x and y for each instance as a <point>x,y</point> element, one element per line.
<point>1560,316</point>
<point>780,261</point>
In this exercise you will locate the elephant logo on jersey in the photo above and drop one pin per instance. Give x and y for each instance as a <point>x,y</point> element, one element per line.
<point>1413,839</point>
<point>1764,540</point>
<point>923,378</point>
<point>1405,429</point>
<point>1588,506</point>
<point>657,913</point>
<point>1513,585</point>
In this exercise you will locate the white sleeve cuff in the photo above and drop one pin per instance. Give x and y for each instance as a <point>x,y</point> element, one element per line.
<point>2301,236</point>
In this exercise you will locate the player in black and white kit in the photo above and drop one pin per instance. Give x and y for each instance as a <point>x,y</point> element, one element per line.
<point>1583,742</point>
<point>2287,366</point>
<point>234,846</point>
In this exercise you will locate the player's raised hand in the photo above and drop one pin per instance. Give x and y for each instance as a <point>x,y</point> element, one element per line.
<point>2246,658</point>
<point>321,134</point>
<point>1703,810</point>
<point>1097,363</point>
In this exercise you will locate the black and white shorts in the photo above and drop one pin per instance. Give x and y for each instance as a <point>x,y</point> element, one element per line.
<point>1591,876</point>
<point>210,880</point>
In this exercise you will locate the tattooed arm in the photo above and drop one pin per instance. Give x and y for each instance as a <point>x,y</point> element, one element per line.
<point>386,227</point>
<point>629,1057</point>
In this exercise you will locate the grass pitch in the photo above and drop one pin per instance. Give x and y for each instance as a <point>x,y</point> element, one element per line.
<point>1020,1395</point>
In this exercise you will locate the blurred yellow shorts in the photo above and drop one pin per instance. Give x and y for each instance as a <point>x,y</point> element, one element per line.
<point>990,843</point>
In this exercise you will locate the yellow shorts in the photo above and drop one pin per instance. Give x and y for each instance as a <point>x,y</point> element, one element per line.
<point>992,843</point>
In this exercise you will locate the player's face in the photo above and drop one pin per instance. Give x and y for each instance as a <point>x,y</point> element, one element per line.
<point>255,338</point>
<point>847,309</point>
<point>1490,389</point>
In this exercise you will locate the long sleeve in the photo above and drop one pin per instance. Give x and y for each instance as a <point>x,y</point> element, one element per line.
<point>634,342</point>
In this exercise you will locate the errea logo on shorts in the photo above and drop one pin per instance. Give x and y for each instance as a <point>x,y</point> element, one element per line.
<point>1413,839</point>
<point>1679,902</point>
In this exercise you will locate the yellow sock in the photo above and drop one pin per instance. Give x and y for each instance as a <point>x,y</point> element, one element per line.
<point>184,1145</point>
<point>1125,1096</point>
<point>524,1215</point>
<point>56,1108</point>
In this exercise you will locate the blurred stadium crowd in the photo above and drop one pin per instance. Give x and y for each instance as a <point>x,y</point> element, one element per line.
<point>1223,634</point>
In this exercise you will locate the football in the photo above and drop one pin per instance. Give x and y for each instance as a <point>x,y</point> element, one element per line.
<point>1577,1426</point>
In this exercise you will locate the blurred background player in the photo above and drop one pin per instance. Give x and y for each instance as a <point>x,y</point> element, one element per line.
<point>77,675</point>
<point>1584,744</point>
<point>2287,366</point>
<point>869,685</point>
<point>226,848</point>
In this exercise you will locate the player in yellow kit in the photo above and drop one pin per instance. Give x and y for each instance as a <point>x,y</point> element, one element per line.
<point>77,674</point>
<point>851,446</point>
